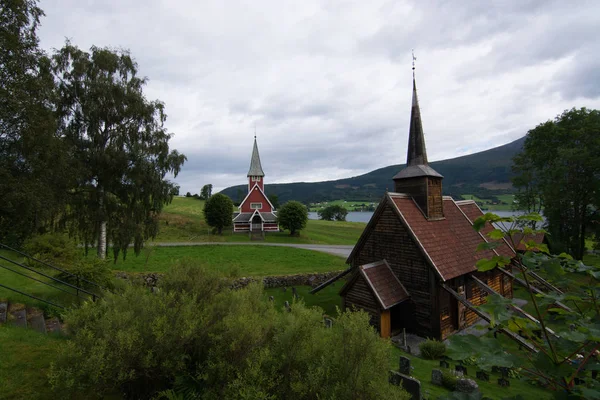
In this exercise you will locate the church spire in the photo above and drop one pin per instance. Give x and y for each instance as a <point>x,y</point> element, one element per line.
<point>255,167</point>
<point>417,154</point>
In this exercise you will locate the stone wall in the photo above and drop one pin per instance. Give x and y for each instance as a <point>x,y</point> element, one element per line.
<point>151,279</point>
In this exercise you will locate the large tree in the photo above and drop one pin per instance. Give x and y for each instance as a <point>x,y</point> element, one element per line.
<point>119,144</point>
<point>32,173</point>
<point>292,216</point>
<point>559,164</point>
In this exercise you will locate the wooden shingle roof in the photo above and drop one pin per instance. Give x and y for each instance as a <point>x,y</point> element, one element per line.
<point>385,285</point>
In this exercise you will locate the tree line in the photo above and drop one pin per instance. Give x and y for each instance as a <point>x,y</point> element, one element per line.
<point>81,147</point>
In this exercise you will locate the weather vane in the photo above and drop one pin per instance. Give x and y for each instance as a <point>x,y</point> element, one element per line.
<point>413,61</point>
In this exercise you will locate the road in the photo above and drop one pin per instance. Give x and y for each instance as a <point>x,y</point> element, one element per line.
<point>338,250</point>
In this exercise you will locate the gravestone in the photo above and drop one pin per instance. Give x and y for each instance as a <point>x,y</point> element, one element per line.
<point>404,365</point>
<point>294,293</point>
<point>444,364</point>
<point>503,382</point>
<point>503,371</point>
<point>461,368</point>
<point>466,386</point>
<point>271,298</point>
<point>284,289</point>
<point>436,377</point>
<point>483,376</point>
<point>328,322</point>
<point>287,305</point>
<point>411,385</point>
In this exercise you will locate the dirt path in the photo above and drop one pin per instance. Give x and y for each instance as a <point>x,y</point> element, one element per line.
<point>338,250</point>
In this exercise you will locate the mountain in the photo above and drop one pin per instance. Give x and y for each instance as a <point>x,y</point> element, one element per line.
<point>484,174</point>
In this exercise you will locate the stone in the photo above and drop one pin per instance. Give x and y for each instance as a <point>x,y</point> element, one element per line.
<point>466,386</point>
<point>461,368</point>
<point>404,365</point>
<point>285,289</point>
<point>328,322</point>
<point>444,364</point>
<point>287,305</point>
<point>294,293</point>
<point>436,377</point>
<point>271,298</point>
<point>503,371</point>
<point>503,382</point>
<point>483,376</point>
<point>411,385</point>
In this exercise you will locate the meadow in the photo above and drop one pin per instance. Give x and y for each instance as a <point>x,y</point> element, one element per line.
<point>487,204</point>
<point>182,221</point>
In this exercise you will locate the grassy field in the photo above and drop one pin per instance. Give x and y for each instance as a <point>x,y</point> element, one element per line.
<point>487,204</point>
<point>183,221</point>
<point>238,260</point>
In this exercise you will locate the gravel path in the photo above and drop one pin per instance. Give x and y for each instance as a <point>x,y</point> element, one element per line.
<point>338,250</point>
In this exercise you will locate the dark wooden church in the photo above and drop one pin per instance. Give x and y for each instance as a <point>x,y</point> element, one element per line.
<point>414,265</point>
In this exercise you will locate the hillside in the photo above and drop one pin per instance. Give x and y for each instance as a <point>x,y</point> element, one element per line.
<point>484,174</point>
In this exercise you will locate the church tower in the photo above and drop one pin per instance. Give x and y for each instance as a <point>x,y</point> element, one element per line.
<point>255,173</point>
<point>418,179</point>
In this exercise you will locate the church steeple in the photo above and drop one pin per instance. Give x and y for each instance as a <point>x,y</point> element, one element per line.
<point>418,179</point>
<point>255,173</point>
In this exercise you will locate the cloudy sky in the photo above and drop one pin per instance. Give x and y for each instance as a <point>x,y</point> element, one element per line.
<point>328,83</point>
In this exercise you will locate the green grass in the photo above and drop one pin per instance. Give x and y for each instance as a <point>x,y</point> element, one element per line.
<point>32,287</point>
<point>491,389</point>
<point>241,260</point>
<point>26,357</point>
<point>183,221</point>
<point>328,298</point>
<point>487,204</point>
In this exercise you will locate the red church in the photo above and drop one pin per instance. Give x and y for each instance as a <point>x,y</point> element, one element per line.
<point>256,213</point>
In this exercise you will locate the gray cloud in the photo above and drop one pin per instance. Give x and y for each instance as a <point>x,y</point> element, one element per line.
<point>328,84</point>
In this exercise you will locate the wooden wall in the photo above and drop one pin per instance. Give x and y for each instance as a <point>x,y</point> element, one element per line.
<point>390,240</point>
<point>435,204</point>
<point>359,295</point>
<point>477,296</point>
<point>415,187</point>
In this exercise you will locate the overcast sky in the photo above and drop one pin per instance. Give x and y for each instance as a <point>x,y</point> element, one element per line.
<point>328,83</point>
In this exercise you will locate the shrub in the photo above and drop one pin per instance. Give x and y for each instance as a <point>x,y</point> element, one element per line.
<point>55,249</point>
<point>432,349</point>
<point>293,216</point>
<point>87,270</point>
<point>218,212</point>
<point>449,379</point>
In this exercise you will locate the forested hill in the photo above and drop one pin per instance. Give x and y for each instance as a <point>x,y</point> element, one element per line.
<point>485,173</point>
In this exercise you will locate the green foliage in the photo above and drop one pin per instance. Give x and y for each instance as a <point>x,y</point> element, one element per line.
<point>333,213</point>
<point>119,147</point>
<point>195,338</point>
<point>33,171</point>
<point>292,216</point>
<point>558,166</point>
<point>432,349</point>
<point>87,273</point>
<point>218,211</point>
<point>206,191</point>
<point>274,199</point>
<point>56,249</point>
<point>449,379</point>
<point>566,336</point>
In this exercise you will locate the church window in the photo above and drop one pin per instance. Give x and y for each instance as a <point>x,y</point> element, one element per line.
<point>256,206</point>
<point>256,179</point>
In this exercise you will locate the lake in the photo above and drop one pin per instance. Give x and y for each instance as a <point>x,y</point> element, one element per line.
<point>357,216</point>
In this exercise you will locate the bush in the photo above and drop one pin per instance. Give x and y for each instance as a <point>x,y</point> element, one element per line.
<point>449,379</point>
<point>432,349</point>
<point>218,212</point>
<point>91,270</point>
<point>195,338</point>
<point>55,249</point>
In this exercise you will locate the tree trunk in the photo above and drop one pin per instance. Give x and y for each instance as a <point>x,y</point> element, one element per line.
<point>102,223</point>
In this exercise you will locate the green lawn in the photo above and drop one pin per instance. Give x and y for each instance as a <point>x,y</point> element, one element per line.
<point>26,356</point>
<point>327,298</point>
<point>241,260</point>
<point>183,221</point>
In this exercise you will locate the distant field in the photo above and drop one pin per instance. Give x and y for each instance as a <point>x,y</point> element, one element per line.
<point>486,204</point>
<point>183,221</point>
<point>235,260</point>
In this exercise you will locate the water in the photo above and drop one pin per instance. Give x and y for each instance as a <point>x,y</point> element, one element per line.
<point>365,216</point>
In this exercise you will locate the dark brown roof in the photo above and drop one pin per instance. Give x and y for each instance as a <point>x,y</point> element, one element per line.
<point>386,286</point>
<point>449,243</point>
<point>472,211</point>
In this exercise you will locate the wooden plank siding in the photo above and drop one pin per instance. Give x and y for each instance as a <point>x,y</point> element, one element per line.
<point>389,239</point>
<point>477,296</point>
<point>360,296</point>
